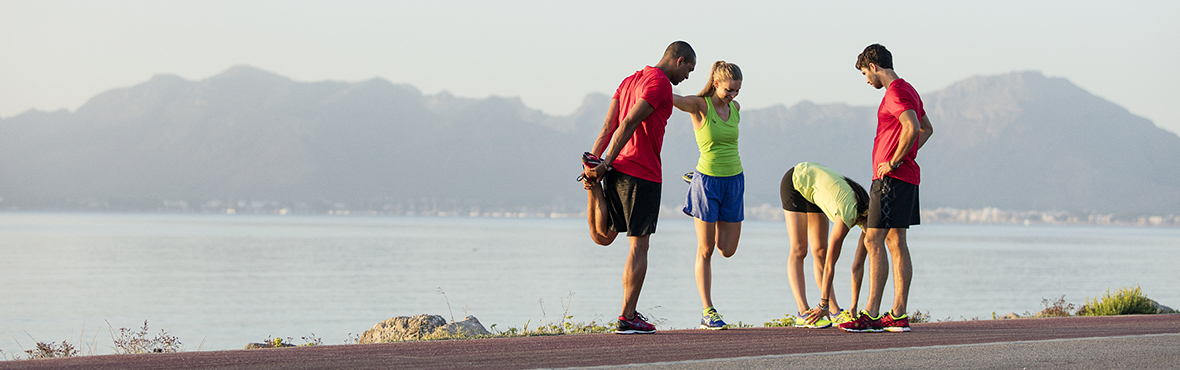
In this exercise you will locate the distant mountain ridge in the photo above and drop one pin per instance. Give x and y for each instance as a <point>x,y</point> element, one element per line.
<point>1014,141</point>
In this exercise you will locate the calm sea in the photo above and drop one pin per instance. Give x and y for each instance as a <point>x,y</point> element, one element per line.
<point>221,281</point>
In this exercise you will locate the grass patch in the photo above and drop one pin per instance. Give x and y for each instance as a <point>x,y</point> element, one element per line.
<point>918,317</point>
<point>279,342</point>
<point>52,350</point>
<point>127,341</point>
<point>1057,308</point>
<point>739,325</point>
<point>132,342</point>
<point>564,326</point>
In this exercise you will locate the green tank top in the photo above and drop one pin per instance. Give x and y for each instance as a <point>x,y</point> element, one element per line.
<point>718,142</point>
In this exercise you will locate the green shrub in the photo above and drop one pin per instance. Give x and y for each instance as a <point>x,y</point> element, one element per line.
<point>1126,301</point>
<point>787,321</point>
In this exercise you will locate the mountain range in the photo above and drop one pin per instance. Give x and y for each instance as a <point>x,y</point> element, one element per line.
<point>1013,141</point>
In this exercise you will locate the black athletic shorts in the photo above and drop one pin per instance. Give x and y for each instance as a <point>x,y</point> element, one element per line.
<point>793,200</point>
<point>893,204</point>
<point>634,203</point>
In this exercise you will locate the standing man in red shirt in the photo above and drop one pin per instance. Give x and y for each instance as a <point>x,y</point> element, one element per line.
<point>624,186</point>
<point>902,128</point>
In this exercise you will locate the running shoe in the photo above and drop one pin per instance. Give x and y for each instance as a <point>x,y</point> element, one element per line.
<point>823,322</point>
<point>638,325</point>
<point>712,320</point>
<point>895,324</point>
<point>842,317</point>
<point>862,324</point>
<point>688,176</point>
<point>590,161</point>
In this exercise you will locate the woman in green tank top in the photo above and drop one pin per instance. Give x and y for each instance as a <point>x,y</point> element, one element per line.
<point>717,186</point>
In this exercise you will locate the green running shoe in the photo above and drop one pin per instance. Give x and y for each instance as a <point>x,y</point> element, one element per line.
<point>712,320</point>
<point>823,322</point>
<point>842,317</point>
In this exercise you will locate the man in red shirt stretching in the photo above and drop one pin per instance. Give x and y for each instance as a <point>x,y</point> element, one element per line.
<point>624,187</point>
<point>902,128</point>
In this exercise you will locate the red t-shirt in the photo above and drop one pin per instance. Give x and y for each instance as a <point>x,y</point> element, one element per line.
<point>900,96</point>
<point>640,157</point>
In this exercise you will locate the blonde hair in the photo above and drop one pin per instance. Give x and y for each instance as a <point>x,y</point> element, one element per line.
<point>721,71</point>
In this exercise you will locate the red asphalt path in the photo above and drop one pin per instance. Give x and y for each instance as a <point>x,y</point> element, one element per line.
<point>612,349</point>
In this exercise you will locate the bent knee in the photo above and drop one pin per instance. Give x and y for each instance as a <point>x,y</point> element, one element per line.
<point>604,239</point>
<point>727,250</point>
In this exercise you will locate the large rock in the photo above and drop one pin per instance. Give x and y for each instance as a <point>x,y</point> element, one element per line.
<point>469,326</point>
<point>402,328</point>
<point>1159,308</point>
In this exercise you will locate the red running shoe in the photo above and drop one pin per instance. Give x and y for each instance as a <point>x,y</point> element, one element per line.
<point>590,160</point>
<point>862,324</point>
<point>895,324</point>
<point>638,325</point>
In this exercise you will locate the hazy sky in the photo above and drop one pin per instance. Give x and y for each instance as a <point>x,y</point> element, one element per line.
<point>58,54</point>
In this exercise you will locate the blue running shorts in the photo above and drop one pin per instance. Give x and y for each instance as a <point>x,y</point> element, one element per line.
<point>713,199</point>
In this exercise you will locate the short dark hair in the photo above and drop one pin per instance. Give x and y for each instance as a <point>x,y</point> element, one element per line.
<point>680,49</point>
<point>862,200</point>
<point>875,54</point>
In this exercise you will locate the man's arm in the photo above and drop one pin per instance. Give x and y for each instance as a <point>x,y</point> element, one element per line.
<point>608,129</point>
<point>909,133</point>
<point>924,131</point>
<point>622,135</point>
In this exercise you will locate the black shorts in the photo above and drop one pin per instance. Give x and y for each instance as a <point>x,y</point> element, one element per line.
<point>893,204</point>
<point>634,203</point>
<point>793,200</point>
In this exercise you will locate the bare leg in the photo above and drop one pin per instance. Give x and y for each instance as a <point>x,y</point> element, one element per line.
<point>706,237</point>
<point>858,272</point>
<point>797,235</point>
<point>728,234</point>
<point>597,215</point>
<point>722,235</point>
<point>902,269</point>
<point>817,227</point>
<point>878,268</point>
<point>634,273</point>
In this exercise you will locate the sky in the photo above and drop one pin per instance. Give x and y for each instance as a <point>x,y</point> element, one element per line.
<point>57,54</point>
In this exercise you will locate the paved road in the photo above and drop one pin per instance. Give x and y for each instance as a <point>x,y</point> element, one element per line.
<point>1143,341</point>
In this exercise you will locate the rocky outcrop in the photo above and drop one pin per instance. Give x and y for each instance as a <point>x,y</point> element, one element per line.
<point>469,326</point>
<point>1159,308</point>
<point>402,328</point>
